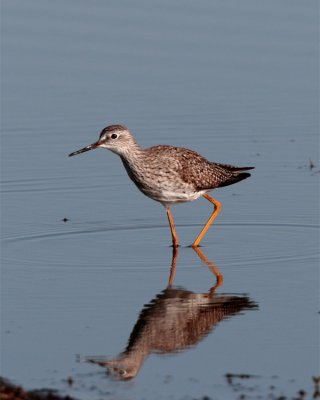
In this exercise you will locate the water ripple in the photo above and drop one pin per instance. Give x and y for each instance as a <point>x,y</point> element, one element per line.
<point>90,231</point>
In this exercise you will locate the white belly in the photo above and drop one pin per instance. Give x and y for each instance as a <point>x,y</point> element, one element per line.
<point>167,197</point>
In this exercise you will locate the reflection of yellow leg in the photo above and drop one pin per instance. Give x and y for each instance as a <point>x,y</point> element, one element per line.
<point>217,208</point>
<point>173,265</point>
<point>212,268</point>
<point>173,232</point>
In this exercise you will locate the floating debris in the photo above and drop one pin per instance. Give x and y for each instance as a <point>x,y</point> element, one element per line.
<point>311,164</point>
<point>70,381</point>
<point>316,381</point>
<point>230,377</point>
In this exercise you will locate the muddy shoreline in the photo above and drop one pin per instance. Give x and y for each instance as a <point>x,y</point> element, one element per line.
<point>10,391</point>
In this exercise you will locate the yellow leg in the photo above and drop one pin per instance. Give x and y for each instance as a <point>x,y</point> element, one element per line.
<point>217,208</point>
<point>213,268</point>
<point>173,265</point>
<point>173,232</point>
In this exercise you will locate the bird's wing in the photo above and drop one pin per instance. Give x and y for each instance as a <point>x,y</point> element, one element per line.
<point>202,173</point>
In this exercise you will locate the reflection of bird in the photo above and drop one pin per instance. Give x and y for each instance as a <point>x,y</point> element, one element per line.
<point>169,174</point>
<point>173,321</point>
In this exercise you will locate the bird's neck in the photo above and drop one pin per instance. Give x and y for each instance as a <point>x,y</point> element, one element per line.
<point>132,155</point>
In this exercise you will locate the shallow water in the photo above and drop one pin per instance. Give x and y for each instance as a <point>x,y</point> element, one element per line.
<point>235,81</point>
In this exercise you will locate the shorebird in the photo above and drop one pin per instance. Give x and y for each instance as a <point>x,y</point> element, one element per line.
<point>169,174</point>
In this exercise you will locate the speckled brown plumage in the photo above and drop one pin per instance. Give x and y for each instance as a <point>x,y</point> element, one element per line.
<point>189,169</point>
<point>168,174</point>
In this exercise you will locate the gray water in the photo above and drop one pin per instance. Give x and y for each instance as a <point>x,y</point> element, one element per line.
<point>236,81</point>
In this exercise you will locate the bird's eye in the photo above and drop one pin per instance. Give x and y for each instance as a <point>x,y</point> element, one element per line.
<point>114,136</point>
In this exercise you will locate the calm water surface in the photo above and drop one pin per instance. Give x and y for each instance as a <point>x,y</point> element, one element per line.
<point>236,81</point>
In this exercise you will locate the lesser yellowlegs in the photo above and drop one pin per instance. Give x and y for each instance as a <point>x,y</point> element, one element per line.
<point>169,174</point>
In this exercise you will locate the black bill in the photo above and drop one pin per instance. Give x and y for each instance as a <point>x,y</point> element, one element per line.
<point>87,148</point>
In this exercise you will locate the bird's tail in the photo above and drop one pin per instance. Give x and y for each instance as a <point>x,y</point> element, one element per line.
<point>232,168</point>
<point>235,179</point>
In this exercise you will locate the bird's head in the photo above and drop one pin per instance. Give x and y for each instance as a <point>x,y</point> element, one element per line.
<point>116,138</point>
